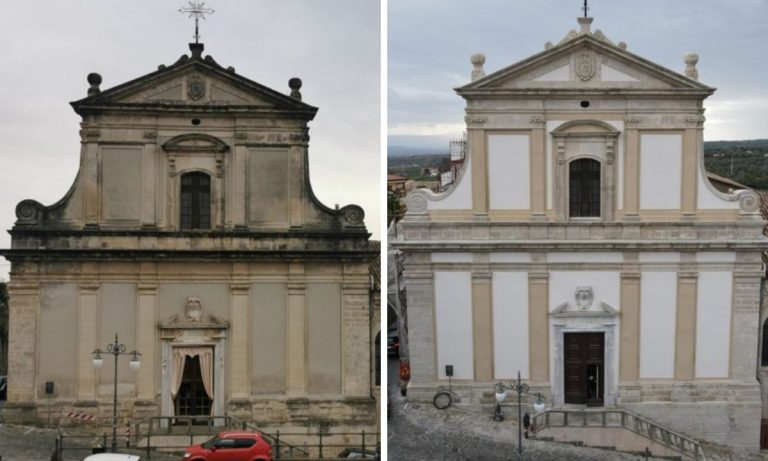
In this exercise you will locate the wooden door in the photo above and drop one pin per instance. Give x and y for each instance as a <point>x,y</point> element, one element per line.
<point>584,370</point>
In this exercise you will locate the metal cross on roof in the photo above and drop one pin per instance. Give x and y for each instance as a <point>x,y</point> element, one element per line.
<point>198,10</point>
<point>585,8</point>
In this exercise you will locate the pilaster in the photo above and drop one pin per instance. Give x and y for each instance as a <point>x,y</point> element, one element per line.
<point>629,362</point>
<point>355,380</point>
<point>420,299</point>
<point>296,332</point>
<point>479,161</point>
<point>632,175</point>
<point>147,340</point>
<point>690,172</point>
<point>685,325</point>
<point>482,325</point>
<point>538,173</point>
<point>538,325</point>
<point>240,326</point>
<point>24,304</point>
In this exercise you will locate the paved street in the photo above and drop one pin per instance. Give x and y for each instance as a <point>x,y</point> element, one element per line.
<point>419,432</point>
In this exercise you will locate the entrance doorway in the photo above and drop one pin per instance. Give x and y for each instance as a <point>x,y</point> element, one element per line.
<point>192,398</point>
<point>584,368</point>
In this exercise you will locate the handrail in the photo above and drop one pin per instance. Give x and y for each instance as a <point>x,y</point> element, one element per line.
<point>633,422</point>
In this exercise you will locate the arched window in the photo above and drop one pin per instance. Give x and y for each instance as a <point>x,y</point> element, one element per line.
<point>195,201</point>
<point>764,358</point>
<point>584,188</point>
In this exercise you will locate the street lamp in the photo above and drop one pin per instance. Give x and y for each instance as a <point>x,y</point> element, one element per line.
<point>501,394</point>
<point>115,349</point>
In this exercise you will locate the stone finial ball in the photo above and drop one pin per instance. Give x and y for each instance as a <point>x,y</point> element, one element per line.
<point>94,79</point>
<point>477,59</point>
<point>294,83</point>
<point>691,59</point>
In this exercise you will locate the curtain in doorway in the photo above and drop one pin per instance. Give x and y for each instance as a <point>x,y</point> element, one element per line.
<point>204,355</point>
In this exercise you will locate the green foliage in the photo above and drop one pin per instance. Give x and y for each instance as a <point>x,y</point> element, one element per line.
<point>745,162</point>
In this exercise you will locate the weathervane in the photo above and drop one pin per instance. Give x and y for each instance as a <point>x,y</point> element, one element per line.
<point>198,10</point>
<point>585,8</point>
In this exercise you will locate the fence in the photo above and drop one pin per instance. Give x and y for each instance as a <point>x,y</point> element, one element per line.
<point>159,436</point>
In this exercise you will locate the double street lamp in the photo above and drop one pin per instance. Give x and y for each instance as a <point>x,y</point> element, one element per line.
<point>115,349</point>
<point>501,394</point>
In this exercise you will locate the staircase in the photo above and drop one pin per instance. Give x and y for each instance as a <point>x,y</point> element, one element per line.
<point>620,430</point>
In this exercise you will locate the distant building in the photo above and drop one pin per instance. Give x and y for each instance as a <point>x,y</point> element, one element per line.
<point>396,185</point>
<point>583,246</point>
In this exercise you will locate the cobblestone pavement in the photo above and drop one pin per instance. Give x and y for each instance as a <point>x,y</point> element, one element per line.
<point>420,432</point>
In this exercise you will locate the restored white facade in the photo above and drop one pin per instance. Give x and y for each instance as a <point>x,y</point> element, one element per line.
<point>583,223</point>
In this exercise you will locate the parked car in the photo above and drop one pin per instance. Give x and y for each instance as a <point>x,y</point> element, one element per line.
<point>393,342</point>
<point>231,446</point>
<point>112,457</point>
<point>358,453</point>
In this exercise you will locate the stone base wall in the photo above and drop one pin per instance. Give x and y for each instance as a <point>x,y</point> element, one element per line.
<point>283,414</point>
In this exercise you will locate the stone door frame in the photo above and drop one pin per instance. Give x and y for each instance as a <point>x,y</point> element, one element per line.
<point>603,321</point>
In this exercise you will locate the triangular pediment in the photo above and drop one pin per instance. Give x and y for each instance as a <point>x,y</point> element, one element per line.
<point>585,63</point>
<point>193,82</point>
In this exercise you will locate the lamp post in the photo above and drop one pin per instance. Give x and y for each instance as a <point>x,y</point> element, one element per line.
<point>115,349</point>
<point>520,388</point>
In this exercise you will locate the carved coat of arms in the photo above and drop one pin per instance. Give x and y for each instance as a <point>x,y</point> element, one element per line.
<point>585,65</point>
<point>194,309</point>
<point>584,297</point>
<point>195,87</point>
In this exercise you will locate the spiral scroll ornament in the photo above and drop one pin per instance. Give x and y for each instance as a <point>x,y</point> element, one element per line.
<point>29,212</point>
<point>354,215</point>
<point>416,202</point>
<point>749,201</point>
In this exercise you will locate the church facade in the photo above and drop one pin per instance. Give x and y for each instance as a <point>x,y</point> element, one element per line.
<point>583,247</point>
<point>192,233</point>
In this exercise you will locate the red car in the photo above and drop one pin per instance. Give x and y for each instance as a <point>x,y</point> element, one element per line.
<point>231,446</point>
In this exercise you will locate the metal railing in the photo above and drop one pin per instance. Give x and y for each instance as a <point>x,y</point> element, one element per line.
<point>620,417</point>
<point>285,445</point>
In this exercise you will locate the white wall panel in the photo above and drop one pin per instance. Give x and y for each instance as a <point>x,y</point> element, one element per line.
<point>510,257</point>
<point>450,257</point>
<point>453,320</point>
<point>585,257</point>
<point>713,324</point>
<point>510,324</point>
<point>563,284</point>
<point>561,74</point>
<point>660,171</point>
<point>509,171</point>
<point>658,311</point>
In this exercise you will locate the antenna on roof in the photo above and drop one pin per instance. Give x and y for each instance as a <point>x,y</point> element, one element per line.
<point>198,10</point>
<point>585,8</point>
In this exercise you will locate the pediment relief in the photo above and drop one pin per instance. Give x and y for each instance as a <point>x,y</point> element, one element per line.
<point>584,62</point>
<point>193,317</point>
<point>195,142</point>
<point>584,304</point>
<point>195,88</point>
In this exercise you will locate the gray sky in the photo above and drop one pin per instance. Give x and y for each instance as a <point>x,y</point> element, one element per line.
<point>50,46</point>
<point>430,41</point>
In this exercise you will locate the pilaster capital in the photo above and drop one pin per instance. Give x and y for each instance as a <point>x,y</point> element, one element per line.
<point>482,276</point>
<point>239,288</point>
<point>630,276</point>
<point>296,287</point>
<point>90,285</point>
<point>147,288</point>
<point>688,276</point>
<point>538,277</point>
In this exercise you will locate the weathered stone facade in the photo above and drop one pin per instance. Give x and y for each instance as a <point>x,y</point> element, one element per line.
<point>502,269</point>
<point>192,223</point>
